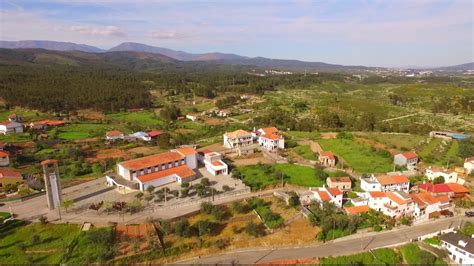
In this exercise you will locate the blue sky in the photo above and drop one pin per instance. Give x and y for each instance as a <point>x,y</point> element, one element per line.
<point>351,32</point>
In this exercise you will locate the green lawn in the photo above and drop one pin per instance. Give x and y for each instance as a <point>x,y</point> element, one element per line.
<point>145,119</point>
<point>82,131</point>
<point>413,255</point>
<point>260,176</point>
<point>93,246</point>
<point>27,115</point>
<point>303,134</point>
<point>379,256</point>
<point>17,137</point>
<point>360,157</point>
<point>306,152</point>
<point>35,243</point>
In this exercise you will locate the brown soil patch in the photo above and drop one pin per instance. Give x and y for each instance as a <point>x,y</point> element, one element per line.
<point>213,121</point>
<point>29,144</point>
<point>144,150</point>
<point>105,154</point>
<point>252,161</point>
<point>328,135</point>
<point>89,140</point>
<point>377,145</point>
<point>89,114</point>
<point>129,235</point>
<point>183,131</point>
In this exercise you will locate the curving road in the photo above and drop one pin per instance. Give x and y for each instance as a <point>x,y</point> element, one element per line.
<point>344,246</point>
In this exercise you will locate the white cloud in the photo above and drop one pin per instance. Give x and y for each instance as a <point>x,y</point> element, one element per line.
<point>171,35</point>
<point>105,31</point>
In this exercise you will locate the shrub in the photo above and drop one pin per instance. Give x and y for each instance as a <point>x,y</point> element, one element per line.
<point>254,229</point>
<point>438,180</point>
<point>43,220</point>
<point>239,207</point>
<point>206,207</point>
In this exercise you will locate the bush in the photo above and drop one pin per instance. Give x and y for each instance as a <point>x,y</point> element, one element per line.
<point>43,220</point>
<point>226,188</point>
<point>254,229</point>
<point>438,180</point>
<point>238,207</point>
<point>206,207</point>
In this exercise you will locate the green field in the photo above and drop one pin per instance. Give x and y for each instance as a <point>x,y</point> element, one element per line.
<point>17,137</point>
<point>305,152</point>
<point>256,176</point>
<point>145,119</point>
<point>402,142</point>
<point>381,256</point>
<point>439,152</point>
<point>302,135</point>
<point>413,255</point>
<point>35,243</point>
<point>93,246</point>
<point>82,131</point>
<point>360,157</point>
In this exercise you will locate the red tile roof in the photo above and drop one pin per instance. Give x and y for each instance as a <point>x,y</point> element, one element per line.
<point>435,188</point>
<point>217,163</point>
<point>390,180</point>
<point>377,194</point>
<point>50,122</point>
<point>456,188</point>
<point>48,162</point>
<point>469,159</point>
<point>410,155</point>
<point>323,195</point>
<point>334,191</point>
<point>9,174</point>
<point>182,171</point>
<point>152,160</point>
<point>357,209</point>
<point>270,130</point>
<point>344,179</point>
<point>186,151</point>
<point>327,154</point>
<point>3,153</point>
<point>271,136</point>
<point>113,133</point>
<point>155,133</point>
<point>395,198</point>
<point>424,198</point>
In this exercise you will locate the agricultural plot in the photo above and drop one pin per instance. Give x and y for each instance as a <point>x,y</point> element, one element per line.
<point>361,158</point>
<point>82,131</point>
<point>401,142</point>
<point>96,245</point>
<point>35,243</point>
<point>305,152</point>
<point>440,152</point>
<point>143,119</point>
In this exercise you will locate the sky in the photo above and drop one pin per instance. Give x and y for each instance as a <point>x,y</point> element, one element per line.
<point>387,33</point>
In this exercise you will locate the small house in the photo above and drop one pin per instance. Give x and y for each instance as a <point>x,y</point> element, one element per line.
<point>4,158</point>
<point>469,165</point>
<point>114,135</point>
<point>327,159</point>
<point>460,247</point>
<point>342,183</point>
<point>8,127</point>
<point>408,159</point>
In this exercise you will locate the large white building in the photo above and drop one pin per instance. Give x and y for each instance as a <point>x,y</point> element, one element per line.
<point>157,170</point>
<point>460,247</point>
<point>393,204</point>
<point>238,138</point>
<point>385,183</point>
<point>324,194</point>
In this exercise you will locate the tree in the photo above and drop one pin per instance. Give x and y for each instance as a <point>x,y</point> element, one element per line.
<point>438,180</point>
<point>66,204</point>
<point>319,173</point>
<point>139,195</point>
<point>254,229</point>
<point>185,185</point>
<point>150,189</point>
<point>184,192</point>
<point>226,188</point>
<point>205,181</point>
<point>206,207</point>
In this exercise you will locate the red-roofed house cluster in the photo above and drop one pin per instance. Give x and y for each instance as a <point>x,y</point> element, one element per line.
<point>177,165</point>
<point>269,138</point>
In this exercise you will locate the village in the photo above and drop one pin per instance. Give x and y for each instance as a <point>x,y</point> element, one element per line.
<point>190,178</point>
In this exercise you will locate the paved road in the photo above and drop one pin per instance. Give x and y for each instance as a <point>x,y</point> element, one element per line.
<point>349,245</point>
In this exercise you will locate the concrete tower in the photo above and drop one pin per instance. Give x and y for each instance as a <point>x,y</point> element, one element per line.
<point>52,184</point>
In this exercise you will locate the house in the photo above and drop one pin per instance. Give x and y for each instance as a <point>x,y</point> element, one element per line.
<point>10,177</point>
<point>327,159</point>
<point>4,158</point>
<point>15,117</point>
<point>427,204</point>
<point>356,210</point>
<point>238,138</point>
<point>469,165</point>
<point>246,96</point>
<point>45,124</point>
<point>272,142</point>
<point>408,159</point>
<point>385,183</point>
<point>213,162</point>
<point>155,133</point>
<point>114,135</point>
<point>157,170</point>
<point>453,190</point>
<point>342,183</point>
<point>449,175</point>
<point>393,204</point>
<point>192,117</point>
<point>321,195</point>
<point>224,113</point>
<point>460,247</point>
<point>8,127</point>
<point>141,135</point>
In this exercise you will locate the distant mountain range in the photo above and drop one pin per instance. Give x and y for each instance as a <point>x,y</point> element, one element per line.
<point>220,58</point>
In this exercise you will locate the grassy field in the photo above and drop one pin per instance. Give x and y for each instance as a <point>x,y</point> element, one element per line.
<point>302,135</point>
<point>146,119</point>
<point>36,243</point>
<point>439,152</point>
<point>402,142</point>
<point>360,157</point>
<point>257,177</point>
<point>305,151</point>
<point>83,131</point>
<point>379,256</point>
<point>95,245</point>
<point>412,255</point>
<point>11,138</point>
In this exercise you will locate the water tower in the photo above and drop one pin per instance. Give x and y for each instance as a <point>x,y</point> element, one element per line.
<point>51,183</point>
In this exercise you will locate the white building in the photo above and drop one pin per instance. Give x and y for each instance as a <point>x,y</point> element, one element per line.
<point>393,204</point>
<point>213,162</point>
<point>271,142</point>
<point>4,158</point>
<point>449,175</point>
<point>460,247</point>
<point>408,159</point>
<point>192,117</point>
<point>469,165</point>
<point>427,203</point>
<point>141,135</point>
<point>321,195</point>
<point>385,183</point>
<point>8,127</point>
<point>238,138</point>
<point>157,170</point>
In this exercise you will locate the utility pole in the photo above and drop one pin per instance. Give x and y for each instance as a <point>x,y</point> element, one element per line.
<point>165,194</point>
<point>282,179</point>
